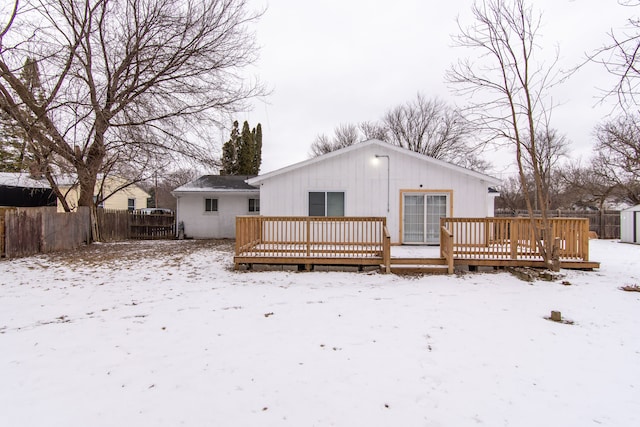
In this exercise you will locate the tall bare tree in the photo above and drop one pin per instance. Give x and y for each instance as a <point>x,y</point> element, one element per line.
<point>344,135</point>
<point>426,126</point>
<point>586,187</point>
<point>617,155</point>
<point>621,58</point>
<point>507,87</point>
<point>430,127</point>
<point>124,78</point>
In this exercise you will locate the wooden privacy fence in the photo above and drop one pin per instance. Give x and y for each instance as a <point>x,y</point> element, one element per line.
<point>310,240</point>
<point>152,226</point>
<point>513,238</point>
<point>28,231</point>
<point>114,225</point>
<point>117,225</point>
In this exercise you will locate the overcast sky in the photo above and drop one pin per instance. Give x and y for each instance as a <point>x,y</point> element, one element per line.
<point>346,61</point>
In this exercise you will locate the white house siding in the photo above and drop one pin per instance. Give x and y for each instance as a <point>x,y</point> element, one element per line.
<point>630,225</point>
<point>212,225</point>
<point>363,178</point>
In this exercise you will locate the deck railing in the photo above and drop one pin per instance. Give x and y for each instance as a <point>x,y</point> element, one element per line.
<point>291,237</point>
<point>446,248</point>
<point>513,238</point>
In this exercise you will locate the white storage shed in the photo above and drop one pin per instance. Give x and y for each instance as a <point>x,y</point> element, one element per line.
<point>630,225</point>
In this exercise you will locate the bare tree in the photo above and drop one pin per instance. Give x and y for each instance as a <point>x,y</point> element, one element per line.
<point>123,78</point>
<point>512,84</point>
<point>426,126</point>
<point>345,135</point>
<point>621,58</point>
<point>510,195</point>
<point>550,148</point>
<point>586,187</point>
<point>429,127</point>
<point>617,155</point>
<point>374,130</point>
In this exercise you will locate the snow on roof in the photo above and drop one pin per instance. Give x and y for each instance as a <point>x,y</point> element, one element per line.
<point>218,183</point>
<point>22,179</point>
<point>631,209</point>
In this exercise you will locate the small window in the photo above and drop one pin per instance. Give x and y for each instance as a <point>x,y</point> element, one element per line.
<point>254,205</point>
<point>330,203</point>
<point>211,205</point>
<point>131,204</point>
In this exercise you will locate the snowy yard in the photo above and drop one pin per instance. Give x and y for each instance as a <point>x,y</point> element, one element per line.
<point>166,334</point>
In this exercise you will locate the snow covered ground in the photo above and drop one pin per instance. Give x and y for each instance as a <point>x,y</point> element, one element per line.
<point>166,334</point>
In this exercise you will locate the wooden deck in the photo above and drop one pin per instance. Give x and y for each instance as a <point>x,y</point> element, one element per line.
<point>365,241</point>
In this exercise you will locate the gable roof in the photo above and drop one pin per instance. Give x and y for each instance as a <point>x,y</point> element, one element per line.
<point>208,183</point>
<point>373,142</point>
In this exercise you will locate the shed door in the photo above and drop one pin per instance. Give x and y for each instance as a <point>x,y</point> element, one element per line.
<point>421,219</point>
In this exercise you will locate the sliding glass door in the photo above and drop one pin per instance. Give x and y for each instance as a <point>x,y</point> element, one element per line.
<point>421,217</point>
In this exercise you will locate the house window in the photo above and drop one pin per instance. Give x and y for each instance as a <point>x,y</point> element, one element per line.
<point>254,205</point>
<point>326,203</point>
<point>211,205</point>
<point>131,204</point>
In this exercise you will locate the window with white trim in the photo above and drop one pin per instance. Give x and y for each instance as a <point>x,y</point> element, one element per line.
<point>254,205</point>
<point>131,204</point>
<point>211,205</point>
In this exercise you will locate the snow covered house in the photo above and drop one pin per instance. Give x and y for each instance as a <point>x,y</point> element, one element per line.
<point>376,179</point>
<point>630,225</point>
<point>207,207</point>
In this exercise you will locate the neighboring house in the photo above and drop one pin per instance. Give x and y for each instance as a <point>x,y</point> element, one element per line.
<point>374,178</point>
<point>21,190</point>
<point>630,225</point>
<point>208,206</point>
<point>130,197</point>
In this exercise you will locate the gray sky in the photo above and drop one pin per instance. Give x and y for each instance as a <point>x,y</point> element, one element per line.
<point>347,61</point>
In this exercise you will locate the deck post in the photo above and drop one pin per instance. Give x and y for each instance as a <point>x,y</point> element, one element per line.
<point>584,250</point>
<point>446,247</point>
<point>386,250</point>
<point>513,239</point>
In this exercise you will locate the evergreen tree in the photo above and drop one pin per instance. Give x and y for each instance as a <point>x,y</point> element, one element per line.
<point>242,154</point>
<point>257,152</point>
<point>15,155</point>
<point>10,146</point>
<point>246,151</point>
<point>230,152</point>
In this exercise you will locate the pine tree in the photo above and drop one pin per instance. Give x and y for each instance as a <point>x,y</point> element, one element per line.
<point>242,154</point>
<point>245,153</point>
<point>15,155</point>
<point>230,152</point>
<point>10,146</point>
<point>257,152</point>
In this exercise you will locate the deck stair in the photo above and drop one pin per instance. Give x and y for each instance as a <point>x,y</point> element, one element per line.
<point>418,265</point>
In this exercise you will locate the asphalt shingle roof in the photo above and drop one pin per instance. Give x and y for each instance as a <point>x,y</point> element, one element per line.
<point>218,182</point>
